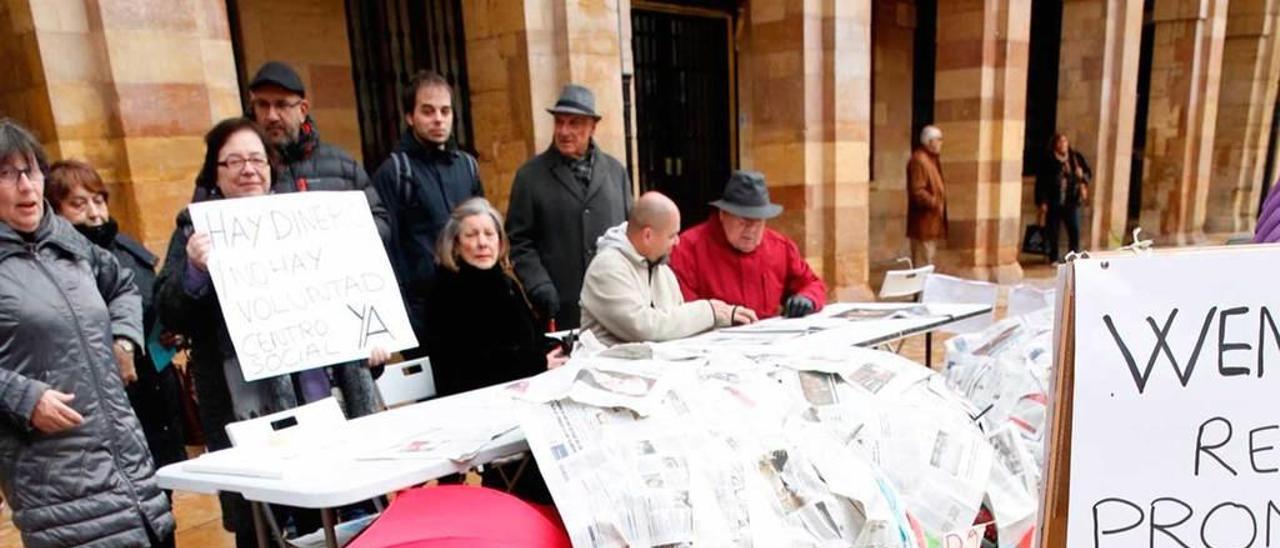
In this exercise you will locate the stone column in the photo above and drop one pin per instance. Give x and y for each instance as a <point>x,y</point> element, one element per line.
<point>980,103</point>
<point>1250,72</point>
<point>130,86</point>
<point>1097,91</point>
<point>519,55</point>
<point>809,112</point>
<point>894,52</point>
<point>1185,76</point>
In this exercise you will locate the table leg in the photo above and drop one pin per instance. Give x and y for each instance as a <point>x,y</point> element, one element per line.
<point>259,524</point>
<point>330,536</point>
<point>928,350</point>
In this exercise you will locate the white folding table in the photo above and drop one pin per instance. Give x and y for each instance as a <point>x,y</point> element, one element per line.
<point>332,479</point>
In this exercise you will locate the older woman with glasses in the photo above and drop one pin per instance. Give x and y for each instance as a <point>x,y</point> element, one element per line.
<point>73,462</point>
<point>238,164</point>
<point>77,194</point>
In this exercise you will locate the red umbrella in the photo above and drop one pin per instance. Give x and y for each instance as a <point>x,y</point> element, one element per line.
<point>458,516</point>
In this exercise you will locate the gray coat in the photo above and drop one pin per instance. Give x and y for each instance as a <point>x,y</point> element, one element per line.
<point>62,301</point>
<point>553,222</point>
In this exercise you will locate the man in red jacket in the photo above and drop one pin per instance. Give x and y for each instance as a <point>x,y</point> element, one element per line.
<point>733,257</point>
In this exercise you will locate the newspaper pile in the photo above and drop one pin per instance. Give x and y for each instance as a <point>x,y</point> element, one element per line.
<point>1004,371</point>
<point>658,446</point>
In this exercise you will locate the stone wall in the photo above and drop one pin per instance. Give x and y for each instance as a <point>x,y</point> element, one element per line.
<point>130,86</point>
<point>894,58</point>
<point>310,35</point>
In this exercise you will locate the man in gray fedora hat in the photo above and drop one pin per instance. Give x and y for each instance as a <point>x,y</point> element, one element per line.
<point>562,201</point>
<point>735,258</point>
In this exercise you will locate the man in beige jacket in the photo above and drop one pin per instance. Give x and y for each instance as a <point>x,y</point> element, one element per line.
<point>631,295</point>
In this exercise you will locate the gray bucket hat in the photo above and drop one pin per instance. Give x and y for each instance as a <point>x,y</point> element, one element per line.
<point>746,195</point>
<point>576,99</point>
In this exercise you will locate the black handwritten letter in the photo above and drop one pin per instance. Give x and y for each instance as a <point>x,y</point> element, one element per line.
<point>1254,449</point>
<point>1208,449</point>
<point>1164,527</point>
<point>1224,346</point>
<point>1098,532</point>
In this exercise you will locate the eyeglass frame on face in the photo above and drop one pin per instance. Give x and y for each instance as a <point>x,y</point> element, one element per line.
<point>237,163</point>
<point>264,106</point>
<point>10,175</point>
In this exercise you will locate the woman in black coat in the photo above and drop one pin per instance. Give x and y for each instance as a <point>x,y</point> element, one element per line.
<point>481,329</point>
<point>77,193</point>
<point>1062,188</point>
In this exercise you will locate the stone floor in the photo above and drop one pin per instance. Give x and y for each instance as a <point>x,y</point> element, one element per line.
<point>199,518</point>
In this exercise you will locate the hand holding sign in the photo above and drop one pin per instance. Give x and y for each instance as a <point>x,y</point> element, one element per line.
<point>198,248</point>
<point>302,279</point>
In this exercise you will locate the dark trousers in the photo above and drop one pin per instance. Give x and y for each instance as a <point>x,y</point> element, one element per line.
<point>1058,216</point>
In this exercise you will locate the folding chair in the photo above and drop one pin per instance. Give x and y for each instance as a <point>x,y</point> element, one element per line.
<point>407,382</point>
<point>1025,299</point>
<point>294,426</point>
<point>900,284</point>
<point>940,288</point>
<point>904,283</point>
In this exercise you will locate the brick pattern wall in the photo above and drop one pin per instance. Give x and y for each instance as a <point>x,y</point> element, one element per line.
<point>980,103</point>
<point>809,110</point>
<point>1185,78</point>
<point>1250,72</point>
<point>894,54</point>
<point>310,35</point>
<point>130,86</point>
<point>1097,88</point>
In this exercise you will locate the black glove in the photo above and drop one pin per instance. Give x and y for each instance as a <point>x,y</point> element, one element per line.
<point>546,299</point>
<point>797,306</point>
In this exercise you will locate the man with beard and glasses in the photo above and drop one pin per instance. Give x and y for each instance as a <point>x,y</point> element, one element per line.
<point>278,103</point>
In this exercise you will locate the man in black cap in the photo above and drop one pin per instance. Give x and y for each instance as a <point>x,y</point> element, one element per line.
<point>734,257</point>
<point>561,202</point>
<point>420,184</point>
<point>278,103</point>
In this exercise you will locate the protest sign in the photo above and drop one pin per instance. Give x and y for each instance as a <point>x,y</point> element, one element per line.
<point>303,280</point>
<point>1165,433</point>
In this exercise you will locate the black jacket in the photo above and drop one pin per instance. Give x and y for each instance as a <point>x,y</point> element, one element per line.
<point>1050,192</point>
<point>156,395</point>
<point>553,222</point>
<point>480,330</point>
<point>325,167</point>
<point>419,188</point>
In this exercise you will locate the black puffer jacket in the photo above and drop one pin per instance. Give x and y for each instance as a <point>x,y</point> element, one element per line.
<point>420,187</point>
<point>62,302</point>
<point>326,167</point>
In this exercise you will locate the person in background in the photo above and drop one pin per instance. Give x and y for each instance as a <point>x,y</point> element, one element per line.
<point>1268,229</point>
<point>926,198</point>
<point>631,295</point>
<point>734,257</point>
<point>420,184</point>
<point>481,328</point>
<point>562,201</point>
<point>278,103</point>
<point>238,164</point>
<point>1062,187</point>
<point>76,192</point>
<point>73,461</point>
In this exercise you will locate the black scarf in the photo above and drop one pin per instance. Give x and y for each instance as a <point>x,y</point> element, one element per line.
<point>103,235</point>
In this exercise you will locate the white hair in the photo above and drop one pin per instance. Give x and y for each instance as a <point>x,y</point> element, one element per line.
<point>929,133</point>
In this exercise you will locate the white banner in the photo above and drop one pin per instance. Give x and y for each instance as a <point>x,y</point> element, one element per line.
<point>303,280</point>
<point>1175,429</point>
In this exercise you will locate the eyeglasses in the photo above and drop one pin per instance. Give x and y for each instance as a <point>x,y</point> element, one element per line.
<point>263,105</point>
<point>9,175</point>
<point>236,163</point>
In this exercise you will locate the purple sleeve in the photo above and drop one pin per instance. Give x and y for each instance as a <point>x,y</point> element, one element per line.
<point>196,282</point>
